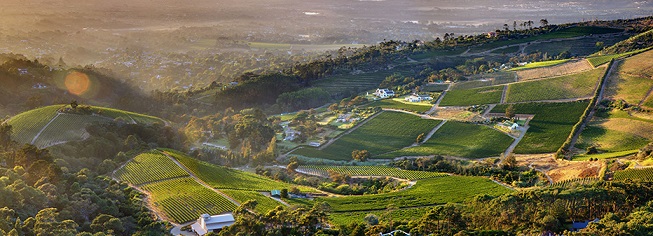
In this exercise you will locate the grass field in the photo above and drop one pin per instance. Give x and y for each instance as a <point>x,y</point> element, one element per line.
<point>460,140</point>
<point>476,96</point>
<point>606,155</point>
<point>401,104</point>
<point>322,170</point>
<point>570,86</point>
<point>265,203</point>
<point>540,64</point>
<point>225,178</point>
<point>184,200</point>
<point>387,132</point>
<point>550,127</point>
<point>149,167</point>
<point>428,192</point>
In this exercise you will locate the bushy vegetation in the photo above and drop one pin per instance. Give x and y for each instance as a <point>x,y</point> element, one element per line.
<point>460,140</point>
<point>149,167</point>
<point>550,126</point>
<point>477,96</point>
<point>570,86</point>
<point>386,132</point>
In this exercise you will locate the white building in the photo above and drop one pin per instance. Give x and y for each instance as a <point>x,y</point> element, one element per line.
<point>384,93</point>
<point>418,97</point>
<point>207,223</point>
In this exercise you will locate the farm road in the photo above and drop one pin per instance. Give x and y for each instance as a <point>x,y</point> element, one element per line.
<point>437,103</point>
<point>44,127</point>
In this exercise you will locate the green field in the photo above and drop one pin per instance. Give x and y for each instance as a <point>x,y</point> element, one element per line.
<point>265,203</point>
<point>609,140</point>
<point>346,218</point>
<point>570,86</point>
<point>550,127</point>
<point>460,140</point>
<point>225,178</point>
<point>184,200</point>
<point>387,132</point>
<point>369,171</point>
<point>27,124</point>
<point>66,127</point>
<point>149,167</point>
<point>540,64</point>
<point>399,103</point>
<point>645,174</point>
<point>600,60</point>
<point>476,96</point>
<point>489,79</point>
<point>428,192</point>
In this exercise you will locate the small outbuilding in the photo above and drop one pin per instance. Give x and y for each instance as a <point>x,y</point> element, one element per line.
<point>208,223</point>
<point>275,193</point>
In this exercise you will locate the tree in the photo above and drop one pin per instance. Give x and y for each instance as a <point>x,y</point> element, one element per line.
<point>292,166</point>
<point>74,104</point>
<point>599,45</point>
<point>510,162</point>
<point>544,22</point>
<point>284,193</point>
<point>510,111</point>
<point>360,155</point>
<point>333,107</point>
<point>420,138</point>
<point>371,219</point>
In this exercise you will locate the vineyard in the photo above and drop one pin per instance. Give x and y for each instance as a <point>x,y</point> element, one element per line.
<point>539,64</point>
<point>359,82</point>
<point>427,192</point>
<point>66,127</point>
<point>568,68</point>
<point>345,218</point>
<point>632,81</point>
<point>550,126</point>
<point>570,86</point>
<point>600,60</point>
<point>485,80</point>
<point>387,132</point>
<point>634,174</point>
<point>184,200</point>
<point>609,140</point>
<point>128,116</point>
<point>576,181</point>
<point>264,205</point>
<point>369,171</point>
<point>225,178</point>
<point>460,140</point>
<point>400,104</point>
<point>476,96</point>
<point>149,167</point>
<point>27,124</point>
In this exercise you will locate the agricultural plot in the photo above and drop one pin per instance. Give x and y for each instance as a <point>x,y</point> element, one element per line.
<point>634,174</point>
<point>476,96</point>
<point>460,140</point>
<point>184,200</point>
<point>27,124</point>
<point>565,87</point>
<point>568,68</point>
<point>633,79</point>
<point>359,82</point>
<point>600,60</point>
<point>369,171</point>
<point>579,47</point>
<point>550,126</point>
<point>427,192</point>
<point>149,167</point>
<point>264,205</point>
<point>540,64</point>
<point>387,132</point>
<point>128,116</point>
<point>346,218</point>
<point>576,181</point>
<point>485,80</point>
<point>65,128</point>
<point>225,178</point>
<point>607,140</point>
<point>398,103</point>
<point>435,87</point>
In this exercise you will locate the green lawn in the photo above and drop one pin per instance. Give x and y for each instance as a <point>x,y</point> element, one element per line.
<point>570,86</point>
<point>387,132</point>
<point>461,140</point>
<point>399,103</point>
<point>550,127</point>
<point>428,192</point>
<point>476,96</point>
<point>540,64</point>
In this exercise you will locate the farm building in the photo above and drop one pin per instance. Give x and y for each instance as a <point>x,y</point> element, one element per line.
<point>384,93</point>
<point>275,193</point>
<point>208,223</point>
<point>511,125</point>
<point>418,97</point>
<point>344,118</point>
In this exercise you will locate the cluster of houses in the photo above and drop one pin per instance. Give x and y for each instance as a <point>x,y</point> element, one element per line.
<point>414,97</point>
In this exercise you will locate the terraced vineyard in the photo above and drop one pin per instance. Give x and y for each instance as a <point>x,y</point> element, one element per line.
<point>550,126</point>
<point>460,140</point>
<point>184,200</point>
<point>634,174</point>
<point>369,171</point>
<point>27,124</point>
<point>568,68</point>
<point>265,203</point>
<point>384,133</point>
<point>476,96</point>
<point>427,192</point>
<point>149,167</point>
<point>570,86</point>
<point>225,178</point>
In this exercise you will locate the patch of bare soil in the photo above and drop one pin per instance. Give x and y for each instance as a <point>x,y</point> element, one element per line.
<point>559,170</point>
<point>457,114</point>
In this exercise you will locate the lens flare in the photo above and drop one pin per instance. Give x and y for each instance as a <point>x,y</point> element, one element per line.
<point>77,83</point>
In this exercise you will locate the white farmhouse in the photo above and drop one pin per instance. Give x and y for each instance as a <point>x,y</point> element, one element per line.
<point>384,93</point>
<point>418,97</point>
<point>208,223</point>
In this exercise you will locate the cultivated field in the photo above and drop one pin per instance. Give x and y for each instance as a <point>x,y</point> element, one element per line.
<point>570,86</point>
<point>149,167</point>
<point>184,200</point>
<point>401,104</point>
<point>427,192</point>
<point>484,80</point>
<point>346,218</point>
<point>567,68</point>
<point>634,174</point>
<point>550,126</point>
<point>633,79</point>
<point>600,60</point>
<point>539,64</point>
<point>358,82</point>
<point>67,127</point>
<point>608,140</point>
<point>387,132</point>
<point>27,124</point>
<point>369,171</point>
<point>460,140</point>
<point>476,96</point>
<point>264,205</point>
